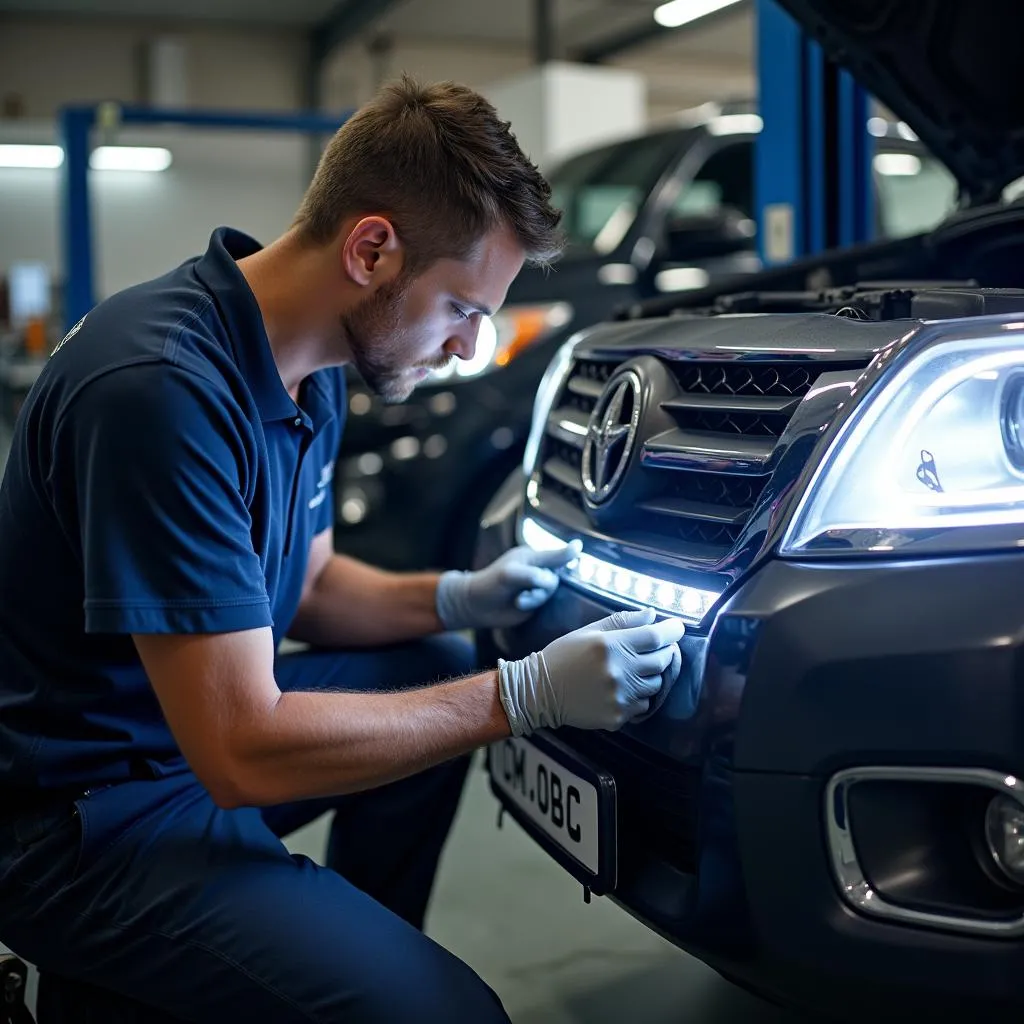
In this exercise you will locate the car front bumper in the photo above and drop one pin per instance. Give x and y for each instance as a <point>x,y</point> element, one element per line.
<point>809,670</point>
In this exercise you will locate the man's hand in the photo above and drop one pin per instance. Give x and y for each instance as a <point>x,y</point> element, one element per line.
<point>504,594</point>
<point>598,677</point>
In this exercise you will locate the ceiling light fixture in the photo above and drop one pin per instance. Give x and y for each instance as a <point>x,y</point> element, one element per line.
<point>103,158</point>
<point>681,12</point>
<point>130,158</point>
<point>31,156</point>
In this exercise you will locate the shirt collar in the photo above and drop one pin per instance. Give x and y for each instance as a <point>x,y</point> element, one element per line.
<point>241,315</point>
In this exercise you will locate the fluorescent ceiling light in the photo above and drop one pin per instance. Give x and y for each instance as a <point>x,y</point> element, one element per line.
<point>103,158</point>
<point>31,156</point>
<point>130,158</point>
<point>681,12</point>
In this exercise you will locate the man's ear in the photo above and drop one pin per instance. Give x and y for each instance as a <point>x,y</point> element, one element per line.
<point>372,254</point>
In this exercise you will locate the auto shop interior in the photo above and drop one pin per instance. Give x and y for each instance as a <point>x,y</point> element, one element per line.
<point>789,292</point>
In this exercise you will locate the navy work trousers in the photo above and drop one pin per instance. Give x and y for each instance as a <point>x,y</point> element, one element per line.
<point>151,891</point>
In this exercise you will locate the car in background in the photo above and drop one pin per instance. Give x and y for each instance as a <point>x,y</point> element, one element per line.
<point>825,481</point>
<point>661,214</point>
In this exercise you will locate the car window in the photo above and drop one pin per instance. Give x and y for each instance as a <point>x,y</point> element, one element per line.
<point>914,193</point>
<point>600,192</point>
<point>725,181</point>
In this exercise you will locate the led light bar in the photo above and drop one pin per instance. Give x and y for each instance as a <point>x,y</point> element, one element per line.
<point>598,576</point>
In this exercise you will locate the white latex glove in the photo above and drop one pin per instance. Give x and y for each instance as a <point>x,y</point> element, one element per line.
<point>598,677</point>
<point>504,594</point>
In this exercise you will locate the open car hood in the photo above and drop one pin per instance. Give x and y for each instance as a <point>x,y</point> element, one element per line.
<point>952,69</point>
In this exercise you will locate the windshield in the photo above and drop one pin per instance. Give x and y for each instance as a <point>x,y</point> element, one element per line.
<point>600,192</point>
<point>915,192</point>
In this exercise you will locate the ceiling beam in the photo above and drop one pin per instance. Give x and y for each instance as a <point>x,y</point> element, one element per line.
<point>346,20</point>
<point>600,50</point>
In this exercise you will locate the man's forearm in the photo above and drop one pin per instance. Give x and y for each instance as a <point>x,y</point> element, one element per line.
<point>312,744</point>
<point>353,604</point>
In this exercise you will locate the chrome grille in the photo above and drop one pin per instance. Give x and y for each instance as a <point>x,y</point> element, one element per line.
<point>708,472</point>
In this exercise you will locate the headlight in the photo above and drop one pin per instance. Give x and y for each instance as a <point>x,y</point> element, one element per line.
<point>933,458</point>
<point>547,391</point>
<point>504,336</point>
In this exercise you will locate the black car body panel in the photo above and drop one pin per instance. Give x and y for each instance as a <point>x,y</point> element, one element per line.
<point>805,669</point>
<point>806,810</point>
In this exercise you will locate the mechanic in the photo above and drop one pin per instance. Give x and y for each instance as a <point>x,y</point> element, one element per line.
<point>165,520</point>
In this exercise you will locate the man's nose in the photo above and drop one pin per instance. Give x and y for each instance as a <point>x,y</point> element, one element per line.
<point>462,343</point>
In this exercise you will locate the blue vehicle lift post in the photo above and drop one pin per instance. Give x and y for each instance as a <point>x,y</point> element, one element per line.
<point>813,171</point>
<point>77,124</point>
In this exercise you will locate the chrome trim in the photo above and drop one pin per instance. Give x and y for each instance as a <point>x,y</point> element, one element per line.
<point>854,887</point>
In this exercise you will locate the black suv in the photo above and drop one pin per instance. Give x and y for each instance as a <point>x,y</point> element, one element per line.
<point>661,214</point>
<point>827,485</point>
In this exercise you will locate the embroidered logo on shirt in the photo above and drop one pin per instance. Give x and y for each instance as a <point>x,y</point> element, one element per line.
<point>67,337</point>
<point>323,486</point>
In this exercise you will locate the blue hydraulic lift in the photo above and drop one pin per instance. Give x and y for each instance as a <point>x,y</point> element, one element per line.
<point>813,177</point>
<point>77,124</point>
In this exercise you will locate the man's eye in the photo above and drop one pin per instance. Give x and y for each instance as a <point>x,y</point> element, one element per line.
<point>460,313</point>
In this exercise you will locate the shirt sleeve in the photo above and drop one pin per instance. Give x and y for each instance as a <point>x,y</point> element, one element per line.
<point>153,470</point>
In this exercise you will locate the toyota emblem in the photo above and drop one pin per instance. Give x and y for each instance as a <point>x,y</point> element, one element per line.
<point>611,436</point>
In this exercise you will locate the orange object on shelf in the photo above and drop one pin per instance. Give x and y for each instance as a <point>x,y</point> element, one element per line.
<point>35,337</point>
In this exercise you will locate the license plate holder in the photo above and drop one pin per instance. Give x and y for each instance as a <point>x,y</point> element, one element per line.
<point>519,800</point>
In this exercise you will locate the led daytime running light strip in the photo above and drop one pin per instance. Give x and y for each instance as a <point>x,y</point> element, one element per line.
<point>598,576</point>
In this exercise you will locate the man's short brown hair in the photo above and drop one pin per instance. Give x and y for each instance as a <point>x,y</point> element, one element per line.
<point>439,163</point>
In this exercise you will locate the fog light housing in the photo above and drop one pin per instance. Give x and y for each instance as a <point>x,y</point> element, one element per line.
<point>1004,834</point>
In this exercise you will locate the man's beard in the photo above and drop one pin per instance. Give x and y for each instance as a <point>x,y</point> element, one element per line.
<point>379,343</point>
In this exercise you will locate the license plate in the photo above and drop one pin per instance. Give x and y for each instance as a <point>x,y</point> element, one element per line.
<point>565,803</point>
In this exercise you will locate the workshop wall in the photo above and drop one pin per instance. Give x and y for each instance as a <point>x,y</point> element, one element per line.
<point>675,80</point>
<point>48,62</point>
<point>145,223</point>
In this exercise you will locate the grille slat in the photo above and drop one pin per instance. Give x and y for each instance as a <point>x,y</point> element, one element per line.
<point>722,515</point>
<point>564,473</point>
<point>586,387</point>
<point>753,404</point>
<point>703,479</point>
<point>717,453</point>
<point>569,426</point>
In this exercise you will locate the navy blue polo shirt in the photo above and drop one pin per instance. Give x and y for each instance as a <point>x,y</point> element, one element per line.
<point>161,480</point>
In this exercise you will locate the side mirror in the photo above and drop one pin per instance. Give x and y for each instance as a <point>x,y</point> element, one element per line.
<point>696,236</point>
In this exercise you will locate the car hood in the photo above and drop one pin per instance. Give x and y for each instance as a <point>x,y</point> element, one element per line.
<point>953,71</point>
